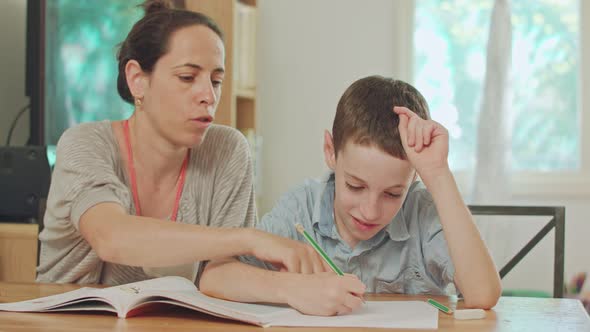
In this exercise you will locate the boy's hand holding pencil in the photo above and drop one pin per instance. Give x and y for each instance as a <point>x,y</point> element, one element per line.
<point>323,294</point>
<point>326,258</point>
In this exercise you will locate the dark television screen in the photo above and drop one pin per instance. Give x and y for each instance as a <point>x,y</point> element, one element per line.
<point>35,69</point>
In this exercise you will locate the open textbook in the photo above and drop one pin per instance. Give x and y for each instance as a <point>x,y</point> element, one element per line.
<point>133,299</point>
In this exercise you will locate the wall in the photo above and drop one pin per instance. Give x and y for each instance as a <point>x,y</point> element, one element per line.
<point>12,67</point>
<point>309,52</point>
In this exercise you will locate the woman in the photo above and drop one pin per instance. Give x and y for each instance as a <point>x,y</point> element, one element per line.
<point>131,199</point>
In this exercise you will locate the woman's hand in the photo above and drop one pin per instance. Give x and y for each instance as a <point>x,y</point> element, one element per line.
<point>286,254</point>
<point>324,294</point>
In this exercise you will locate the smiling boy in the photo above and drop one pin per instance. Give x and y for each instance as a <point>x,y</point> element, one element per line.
<point>388,231</point>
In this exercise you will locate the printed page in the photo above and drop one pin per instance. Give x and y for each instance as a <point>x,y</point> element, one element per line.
<point>54,301</point>
<point>375,314</point>
<point>252,313</point>
<point>378,314</point>
<point>85,305</point>
<point>131,295</point>
<point>118,297</point>
<point>181,291</point>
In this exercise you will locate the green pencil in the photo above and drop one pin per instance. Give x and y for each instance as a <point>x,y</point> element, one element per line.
<point>440,306</point>
<point>319,250</point>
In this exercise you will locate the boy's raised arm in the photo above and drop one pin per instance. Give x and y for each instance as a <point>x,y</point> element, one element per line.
<point>426,145</point>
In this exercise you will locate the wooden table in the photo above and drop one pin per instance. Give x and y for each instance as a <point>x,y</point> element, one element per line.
<point>511,314</point>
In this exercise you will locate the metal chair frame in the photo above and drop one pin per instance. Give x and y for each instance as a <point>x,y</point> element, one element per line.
<point>557,221</point>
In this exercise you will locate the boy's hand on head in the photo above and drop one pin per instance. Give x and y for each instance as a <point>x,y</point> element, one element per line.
<point>325,294</point>
<point>426,142</point>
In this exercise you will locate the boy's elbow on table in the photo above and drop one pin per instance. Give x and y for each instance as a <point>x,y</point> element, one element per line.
<point>484,299</point>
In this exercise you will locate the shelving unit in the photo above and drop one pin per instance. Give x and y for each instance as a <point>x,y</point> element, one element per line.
<point>237,107</point>
<point>18,252</point>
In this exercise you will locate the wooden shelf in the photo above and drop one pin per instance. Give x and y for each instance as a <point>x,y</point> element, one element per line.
<point>246,117</point>
<point>18,252</point>
<point>237,107</point>
<point>246,93</point>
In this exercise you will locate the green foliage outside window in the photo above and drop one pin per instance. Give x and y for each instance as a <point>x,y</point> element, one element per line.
<point>450,47</point>
<point>81,68</point>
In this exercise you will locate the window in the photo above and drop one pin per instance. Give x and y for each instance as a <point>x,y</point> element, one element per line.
<point>450,40</point>
<point>81,65</point>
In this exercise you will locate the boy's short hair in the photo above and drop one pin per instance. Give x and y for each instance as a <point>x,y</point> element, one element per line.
<point>365,114</point>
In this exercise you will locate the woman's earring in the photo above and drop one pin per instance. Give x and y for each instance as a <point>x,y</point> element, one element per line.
<point>138,102</point>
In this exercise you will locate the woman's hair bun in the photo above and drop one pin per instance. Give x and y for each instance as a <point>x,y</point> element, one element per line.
<point>154,6</point>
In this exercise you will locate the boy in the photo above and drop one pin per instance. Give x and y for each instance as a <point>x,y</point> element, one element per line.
<point>371,216</point>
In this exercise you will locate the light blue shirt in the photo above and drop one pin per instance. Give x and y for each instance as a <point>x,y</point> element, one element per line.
<point>408,256</point>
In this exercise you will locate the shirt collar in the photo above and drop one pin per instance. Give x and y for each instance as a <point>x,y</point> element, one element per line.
<point>323,214</point>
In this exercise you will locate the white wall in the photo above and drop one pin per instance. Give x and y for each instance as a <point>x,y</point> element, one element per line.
<point>12,67</point>
<point>309,52</point>
<point>306,63</point>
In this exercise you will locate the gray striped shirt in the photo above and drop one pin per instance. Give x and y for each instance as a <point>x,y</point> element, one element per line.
<point>89,170</point>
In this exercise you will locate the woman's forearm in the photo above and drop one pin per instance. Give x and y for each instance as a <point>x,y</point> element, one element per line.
<point>141,241</point>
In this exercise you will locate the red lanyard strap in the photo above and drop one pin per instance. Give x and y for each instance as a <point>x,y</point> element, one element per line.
<point>131,171</point>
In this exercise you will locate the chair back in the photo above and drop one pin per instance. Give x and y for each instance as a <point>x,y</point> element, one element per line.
<point>557,222</point>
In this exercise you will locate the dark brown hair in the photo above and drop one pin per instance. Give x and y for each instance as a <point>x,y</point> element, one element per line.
<point>365,113</point>
<point>148,39</point>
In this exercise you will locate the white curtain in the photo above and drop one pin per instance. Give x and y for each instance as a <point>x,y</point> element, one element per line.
<point>492,172</point>
<point>491,184</point>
